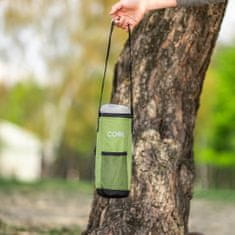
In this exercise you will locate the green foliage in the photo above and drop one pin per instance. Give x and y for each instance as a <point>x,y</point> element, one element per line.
<point>216,132</point>
<point>74,37</point>
<point>22,104</point>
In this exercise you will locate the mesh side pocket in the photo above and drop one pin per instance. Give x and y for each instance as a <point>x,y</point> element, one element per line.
<point>114,170</point>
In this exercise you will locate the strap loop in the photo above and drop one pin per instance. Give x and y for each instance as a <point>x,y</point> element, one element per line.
<point>105,71</point>
<point>130,77</point>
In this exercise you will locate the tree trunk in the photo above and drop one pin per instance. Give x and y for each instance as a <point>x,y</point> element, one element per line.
<point>171,50</point>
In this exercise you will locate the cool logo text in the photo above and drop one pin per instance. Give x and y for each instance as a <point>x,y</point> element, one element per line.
<point>115,134</point>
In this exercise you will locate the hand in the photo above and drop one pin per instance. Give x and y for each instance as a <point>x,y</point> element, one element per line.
<point>128,12</point>
<point>131,12</point>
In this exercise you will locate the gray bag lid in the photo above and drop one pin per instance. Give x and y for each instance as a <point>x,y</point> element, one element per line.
<point>114,108</point>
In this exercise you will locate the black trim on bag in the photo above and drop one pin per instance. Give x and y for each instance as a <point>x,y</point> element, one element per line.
<point>122,115</point>
<point>118,154</point>
<point>110,193</point>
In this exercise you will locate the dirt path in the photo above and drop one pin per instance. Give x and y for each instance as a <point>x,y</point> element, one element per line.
<point>212,217</point>
<point>56,209</point>
<point>50,210</point>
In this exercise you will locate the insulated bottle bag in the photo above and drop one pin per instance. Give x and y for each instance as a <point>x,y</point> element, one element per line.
<point>113,154</point>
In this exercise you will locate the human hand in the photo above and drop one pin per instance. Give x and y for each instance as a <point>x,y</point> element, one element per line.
<point>128,12</point>
<point>131,12</point>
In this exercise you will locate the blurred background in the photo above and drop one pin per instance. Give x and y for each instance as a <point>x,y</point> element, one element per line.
<point>51,65</point>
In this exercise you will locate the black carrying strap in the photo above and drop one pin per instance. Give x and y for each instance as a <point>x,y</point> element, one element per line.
<point>105,70</point>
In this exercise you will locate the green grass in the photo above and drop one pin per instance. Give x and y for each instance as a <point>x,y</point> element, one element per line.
<point>10,229</point>
<point>87,188</point>
<point>224,195</point>
<point>47,185</point>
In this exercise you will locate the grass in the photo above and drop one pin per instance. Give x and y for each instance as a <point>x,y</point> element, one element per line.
<point>224,195</point>
<point>87,187</point>
<point>47,185</point>
<point>10,229</point>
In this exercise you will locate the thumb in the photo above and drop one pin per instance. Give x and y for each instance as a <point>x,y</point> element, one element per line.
<point>116,7</point>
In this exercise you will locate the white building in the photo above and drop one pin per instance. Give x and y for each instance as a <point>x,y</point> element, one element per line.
<point>20,153</point>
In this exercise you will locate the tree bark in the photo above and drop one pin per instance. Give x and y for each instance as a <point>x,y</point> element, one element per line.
<point>171,50</point>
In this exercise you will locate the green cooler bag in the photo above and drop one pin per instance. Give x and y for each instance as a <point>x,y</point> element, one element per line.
<point>113,154</point>
<point>113,160</point>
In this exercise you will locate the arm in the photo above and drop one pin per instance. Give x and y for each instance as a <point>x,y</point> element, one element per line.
<point>189,3</point>
<point>158,4</point>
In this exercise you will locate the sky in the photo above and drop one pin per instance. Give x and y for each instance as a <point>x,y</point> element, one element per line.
<point>227,33</point>
<point>36,45</point>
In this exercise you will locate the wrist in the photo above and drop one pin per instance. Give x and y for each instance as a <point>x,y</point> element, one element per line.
<point>144,5</point>
<point>159,4</point>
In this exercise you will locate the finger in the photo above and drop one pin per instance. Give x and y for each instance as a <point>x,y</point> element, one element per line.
<point>125,24</point>
<point>122,21</point>
<point>131,19</point>
<point>119,25</point>
<point>116,20</point>
<point>126,27</point>
<point>128,21</point>
<point>131,27</point>
<point>116,7</point>
<point>131,22</point>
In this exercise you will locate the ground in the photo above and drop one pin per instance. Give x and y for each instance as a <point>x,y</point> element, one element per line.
<point>58,208</point>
